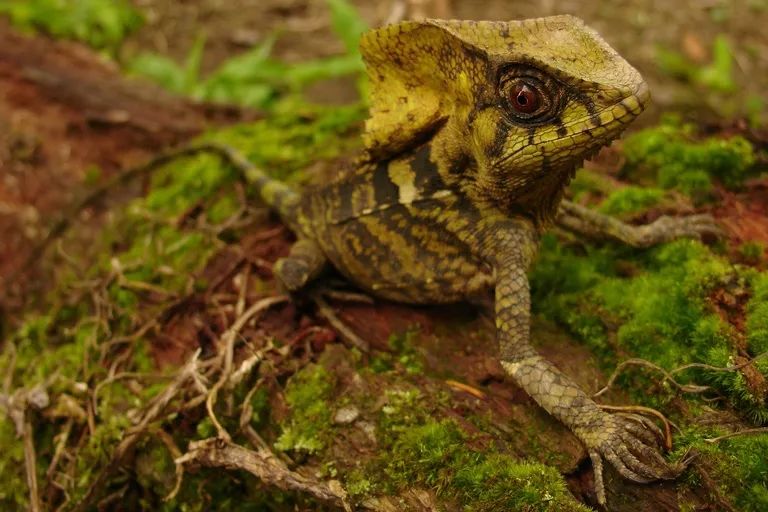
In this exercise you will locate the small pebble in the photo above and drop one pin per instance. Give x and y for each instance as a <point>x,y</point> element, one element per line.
<point>346,415</point>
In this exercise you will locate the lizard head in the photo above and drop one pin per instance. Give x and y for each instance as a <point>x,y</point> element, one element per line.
<point>513,108</point>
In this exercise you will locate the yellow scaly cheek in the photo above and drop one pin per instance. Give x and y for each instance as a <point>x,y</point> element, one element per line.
<point>483,134</point>
<point>464,88</point>
<point>573,113</point>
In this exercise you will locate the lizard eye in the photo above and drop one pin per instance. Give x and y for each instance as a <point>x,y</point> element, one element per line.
<point>524,98</point>
<point>528,99</point>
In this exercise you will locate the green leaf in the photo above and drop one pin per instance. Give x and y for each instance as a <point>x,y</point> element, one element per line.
<point>193,62</point>
<point>347,24</point>
<point>160,69</point>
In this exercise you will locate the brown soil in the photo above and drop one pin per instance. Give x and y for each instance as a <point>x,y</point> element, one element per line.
<point>65,114</point>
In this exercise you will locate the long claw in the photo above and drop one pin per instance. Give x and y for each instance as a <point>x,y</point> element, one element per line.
<point>647,436</point>
<point>597,467</point>
<point>650,457</point>
<point>612,457</point>
<point>637,465</point>
<point>646,423</point>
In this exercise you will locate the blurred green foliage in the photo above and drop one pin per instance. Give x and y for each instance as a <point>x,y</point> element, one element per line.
<point>254,78</point>
<point>715,79</point>
<point>101,24</point>
<point>631,199</point>
<point>717,75</point>
<point>678,160</point>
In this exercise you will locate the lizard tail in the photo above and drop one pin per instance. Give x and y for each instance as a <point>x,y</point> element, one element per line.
<point>280,198</point>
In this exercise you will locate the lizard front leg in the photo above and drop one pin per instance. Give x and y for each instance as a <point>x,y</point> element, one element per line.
<point>582,220</point>
<point>630,443</point>
<point>304,262</point>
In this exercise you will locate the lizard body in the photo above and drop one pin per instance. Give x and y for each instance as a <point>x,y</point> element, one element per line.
<point>476,128</point>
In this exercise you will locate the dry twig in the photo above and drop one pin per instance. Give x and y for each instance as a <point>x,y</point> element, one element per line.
<point>262,463</point>
<point>686,388</point>
<point>227,355</point>
<point>748,431</point>
<point>347,334</point>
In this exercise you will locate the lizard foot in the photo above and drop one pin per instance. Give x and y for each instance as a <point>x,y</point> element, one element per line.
<point>632,444</point>
<point>666,229</point>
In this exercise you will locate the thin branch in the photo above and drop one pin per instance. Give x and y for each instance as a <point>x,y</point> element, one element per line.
<point>220,453</point>
<point>30,464</point>
<point>668,375</point>
<point>460,386</point>
<point>347,334</point>
<point>228,340</point>
<point>170,444</point>
<point>247,365</point>
<point>748,431</point>
<point>686,388</point>
<point>61,442</point>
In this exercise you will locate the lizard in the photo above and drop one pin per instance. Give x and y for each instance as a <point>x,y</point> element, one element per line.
<point>475,130</point>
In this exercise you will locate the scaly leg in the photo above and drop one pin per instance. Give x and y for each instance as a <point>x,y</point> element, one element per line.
<point>592,224</point>
<point>630,443</point>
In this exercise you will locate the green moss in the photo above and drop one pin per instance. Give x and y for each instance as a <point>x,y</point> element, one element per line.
<point>587,181</point>
<point>146,259</point>
<point>631,200</point>
<point>404,353</point>
<point>307,394</point>
<point>661,313</point>
<point>13,484</point>
<point>739,465</point>
<point>664,311</point>
<point>419,448</point>
<point>436,455</point>
<point>288,142</point>
<point>757,315</point>
<point>678,160</point>
<point>403,408</point>
<point>358,484</point>
<point>222,209</point>
<point>500,482</point>
<point>426,454</point>
<point>752,252</point>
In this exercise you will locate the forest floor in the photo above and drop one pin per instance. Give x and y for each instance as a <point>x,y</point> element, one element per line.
<point>168,265</point>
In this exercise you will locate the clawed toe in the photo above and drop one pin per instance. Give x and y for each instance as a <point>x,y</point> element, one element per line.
<point>632,445</point>
<point>628,465</point>
<point>645,429</point>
